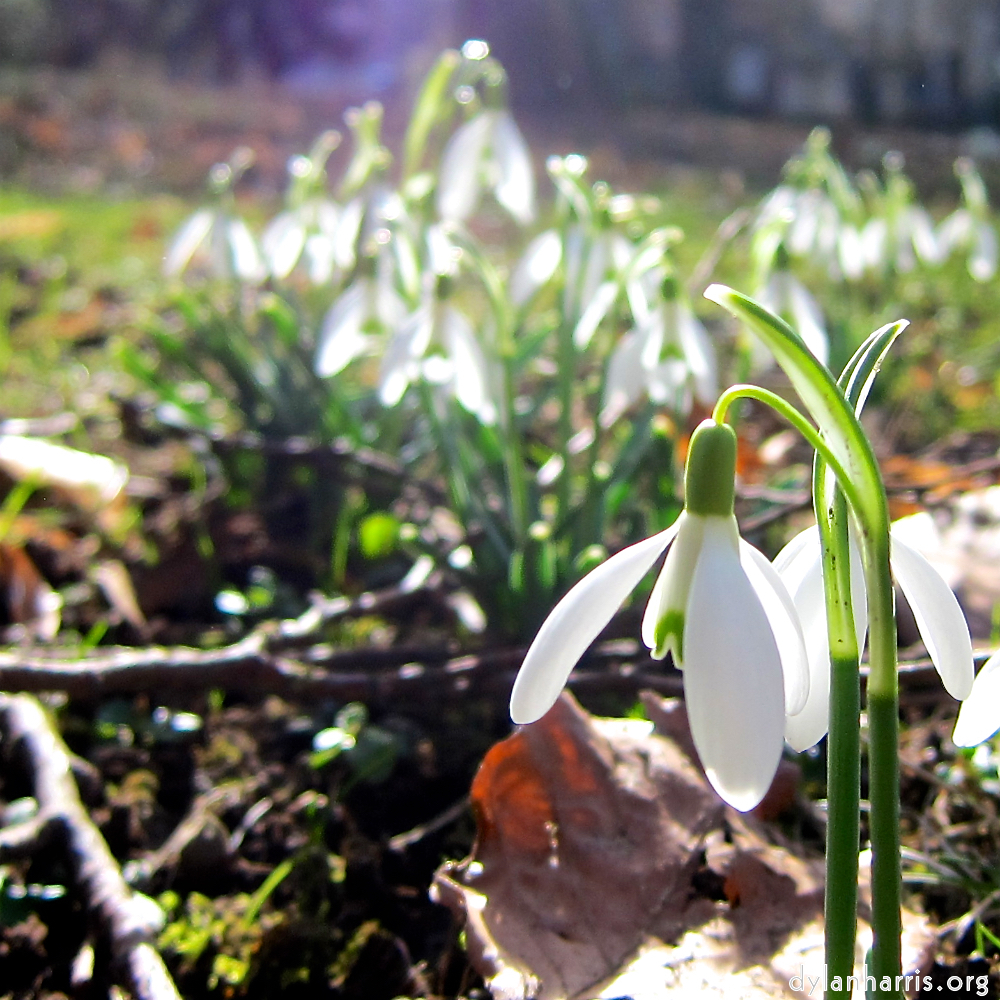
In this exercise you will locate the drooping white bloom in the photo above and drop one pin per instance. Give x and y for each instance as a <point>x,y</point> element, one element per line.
<point>787,297</point>
<point>218,243</point>
<point>665,357</point>
<point>437,343</point>
<point>367,306</point>
<point>721,610</point>
<point>535,268</point>
<point>488,152</point>
<point>939,618</point>
<point>979,716</point>
<point>304,233</point>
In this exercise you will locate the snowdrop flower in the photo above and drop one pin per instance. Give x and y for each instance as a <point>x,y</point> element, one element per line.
<point>307,233</point>
<point>788,298</point>
<point>717,606</point>
<point>437,343</point>
<point>979,716</point>
<point>215,239</point>
<point>668,354</point>
<point>488,151</point>
<point>219,243</point>
<point>939,618</point>
<point>370,304</point>
<point>962,231</point>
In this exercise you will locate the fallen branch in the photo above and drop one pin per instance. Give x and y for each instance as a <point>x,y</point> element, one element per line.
<point>131,921</point>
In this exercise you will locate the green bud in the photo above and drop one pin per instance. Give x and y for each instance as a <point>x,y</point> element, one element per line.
<point>710,476</point>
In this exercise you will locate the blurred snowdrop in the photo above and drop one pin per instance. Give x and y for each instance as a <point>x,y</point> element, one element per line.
<point>486,153</point>
<point>306,233</point>
<point>217,243</point>
<point>437,344</point>
<point>787,297</point>
<point>306,229</point>
<point>961,232</point>
<point>802,223</point>
<point>667,356</point>
<point>368,306</point>
<point>214,240</point>
<point>594,261</point>
<point>968,229</point>
<point>537,265</point>
<point>939,618</point>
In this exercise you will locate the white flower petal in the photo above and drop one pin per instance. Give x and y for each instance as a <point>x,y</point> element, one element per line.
<point>667,384</point>
<point>247,262</point>
<point>399,363</point>
<point>939,618</point>
<point>873,239</point>
<point>319,251</point>
<point>670,592</point>
<point>626,377</point>
<point>597,308</point>
<point>784,621</point>
<point>957,229</point>
<point>341,337</point>
<point>460,173</point>
<point>983,259</point>
<point>925,240</point>
<point>733,685</point>
<point>187,241</point>
<point>699,354</point>
<point>470,377</point>
<point>515,189</point>
<point>850,253</point>
<point>800,566</point>
<point>282,243</point>
<point>807,319</point>
<point>536,266</point>
<point>575,622</point>
<point>979,716</point>
<point>790,555</point>
<point>345,237</point>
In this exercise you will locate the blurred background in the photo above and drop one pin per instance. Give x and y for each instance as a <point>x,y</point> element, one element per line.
<point>653,79</point>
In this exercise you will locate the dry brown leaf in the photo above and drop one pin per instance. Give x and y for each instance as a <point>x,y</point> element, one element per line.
<point>581,882</point>
<point>112,576</point>
<point>589,835</point>
<point>30,600</point>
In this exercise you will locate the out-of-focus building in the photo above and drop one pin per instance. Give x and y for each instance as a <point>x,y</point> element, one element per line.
<point>934,62</point>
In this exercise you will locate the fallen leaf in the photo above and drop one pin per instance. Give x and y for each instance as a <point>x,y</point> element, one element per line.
<point>581,883</point>
<point>589,834</point>
<point>112,576</point>
<point>30,600</point>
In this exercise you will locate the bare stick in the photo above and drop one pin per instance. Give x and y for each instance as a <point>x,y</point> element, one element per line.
<point>130,920</point>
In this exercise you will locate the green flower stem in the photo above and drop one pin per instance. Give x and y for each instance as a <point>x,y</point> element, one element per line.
<point>883,757</point>
<point>795,418</point>
<point>843,746</point>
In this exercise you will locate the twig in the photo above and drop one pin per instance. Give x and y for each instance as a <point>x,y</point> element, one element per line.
<point>403,840</point>
<point>129,920</point>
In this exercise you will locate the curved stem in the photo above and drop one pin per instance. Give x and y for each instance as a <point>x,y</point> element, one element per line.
<point>799,422</point>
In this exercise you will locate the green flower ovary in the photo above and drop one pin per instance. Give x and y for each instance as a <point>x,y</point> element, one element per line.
<point>710,475</point>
